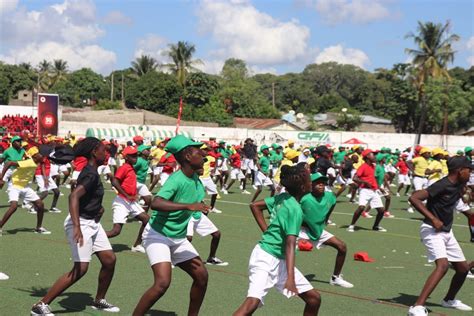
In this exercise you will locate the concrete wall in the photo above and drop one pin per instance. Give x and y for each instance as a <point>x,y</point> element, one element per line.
<point>23,110</point>
<point>236,135</point>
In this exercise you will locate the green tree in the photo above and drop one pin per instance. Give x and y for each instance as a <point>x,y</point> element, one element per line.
<point>44,70</point>
<point>234,69</point>
<point>200,87</point>
<point>4,89</point>
<point>430,59</point>
<point>59,71</point>
<point>183,63</point>
<point>19,78</point>
<point>143,65</point>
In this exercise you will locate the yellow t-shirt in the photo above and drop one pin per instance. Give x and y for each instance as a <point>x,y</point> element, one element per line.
<point>284,162</point>
<point>420,164</point>
<point>24,173</point>
<point>360,161</point>
<point>444,165</point>
<point>156,155</point>
<point>310,160</point>
<point>435,164</point>
<point>207,167</point>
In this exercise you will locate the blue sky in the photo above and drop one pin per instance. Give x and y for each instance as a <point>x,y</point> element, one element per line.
<point>271,36</point>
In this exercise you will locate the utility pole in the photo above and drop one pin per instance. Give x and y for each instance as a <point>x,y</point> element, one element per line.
<point>112,87</point>
<point>123,95</point>
<point>273,94</point>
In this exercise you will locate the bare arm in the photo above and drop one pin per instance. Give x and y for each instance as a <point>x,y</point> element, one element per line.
<point>74,198</point>
<point>163,205</point>
<point>290,264</point>
<point>257,209</point>
<point>116,184</point>
<point>7,166</point>
<point>416,199</point>
<point>359,181</point>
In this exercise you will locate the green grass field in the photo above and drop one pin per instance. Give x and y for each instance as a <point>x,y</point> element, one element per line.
<point>385,287</point>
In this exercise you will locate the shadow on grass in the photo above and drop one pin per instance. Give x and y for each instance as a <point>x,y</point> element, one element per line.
<point>120,247</point>
<point>20,230</point>
<point>312,278</point>
<point>407,300</point>
<point>356,228</point>
<point>155,312</point>
<point>72,302</point>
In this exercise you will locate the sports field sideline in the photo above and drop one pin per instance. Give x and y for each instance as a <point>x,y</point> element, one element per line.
<point>387,286</point>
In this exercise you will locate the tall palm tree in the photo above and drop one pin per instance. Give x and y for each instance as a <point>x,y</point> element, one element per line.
<point>144,64</point>
<point>59,70</point>
<point>44,70</point>
<point>181,54</point>
<point>433,54</point>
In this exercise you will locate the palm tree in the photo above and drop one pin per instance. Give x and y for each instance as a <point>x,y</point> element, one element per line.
<point>144,64</point>
<point>430,59</point>
<point>44,70</point>
<point>58,71</point>
<point>181,54</point>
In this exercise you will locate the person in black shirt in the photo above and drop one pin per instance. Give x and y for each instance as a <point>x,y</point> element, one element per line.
<point>437,236</point>
<point>344,178</point>
<point>84,231</point>
<point>250,156</point>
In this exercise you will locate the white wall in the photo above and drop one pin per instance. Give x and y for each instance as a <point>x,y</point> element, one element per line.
<point>236,135</point>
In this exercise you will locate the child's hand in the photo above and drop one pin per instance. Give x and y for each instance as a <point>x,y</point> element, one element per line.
<point>437,224</point>
<point>200,207</point>
<point>290,288</point>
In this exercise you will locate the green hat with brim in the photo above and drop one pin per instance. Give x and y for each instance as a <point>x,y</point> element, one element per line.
<point>222,142</point>
<point>467,149</point>
<point>318,177</point>
<point>141,148</point>
<point>16,138</point>
<point>380,157</point>
<point>179,142</point>
<point>460,152</point>
<point>264,147</point>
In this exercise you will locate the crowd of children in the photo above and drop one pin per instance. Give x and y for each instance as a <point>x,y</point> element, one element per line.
<point>304,184</point>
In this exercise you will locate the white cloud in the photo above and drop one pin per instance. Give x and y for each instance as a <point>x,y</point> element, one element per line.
<point>354,11</point>
<point>7,6</point>
<point>470,48</point>
<point>211,66</point>
<point>66,30</point>
<point>255,70</point>
<point>117,17</point>
<point>152,45</point>
<point>343,55</point>
<point>241,31</point>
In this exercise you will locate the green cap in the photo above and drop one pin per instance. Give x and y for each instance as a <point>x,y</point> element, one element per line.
<point>16,138</point>
<point>460,152</point>
<point>317,176</point>
<point>141,148</point>
<point>380,157</point>
<point>468,148</point>
<point>264,147</point>
<point>222,142</point>
<point>179,142</point>
<point>275,146</point>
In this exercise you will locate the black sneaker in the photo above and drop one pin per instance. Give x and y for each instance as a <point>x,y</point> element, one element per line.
<point>41,309</point>
<point>103,305</point>
<point>216,262</point>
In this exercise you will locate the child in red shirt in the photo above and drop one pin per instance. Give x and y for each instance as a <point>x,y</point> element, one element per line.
<point>46,183</point>
<point>403,177</point>
<point>236,173</point>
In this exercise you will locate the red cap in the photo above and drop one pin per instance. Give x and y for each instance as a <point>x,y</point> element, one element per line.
<point>305,245</point>
<point>418,148</point>
<point>363,256</point>
<point>237,147</point>
<point>129,151</point>
<point>137,138</point>
<point>366,152</point>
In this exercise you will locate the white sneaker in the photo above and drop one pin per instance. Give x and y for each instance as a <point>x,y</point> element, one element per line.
<point>379,229</point>
<point>241,187</point>
<point>348,196</point>
<point>141,202</point>
<point>42,231</point>
<point>224,191</point>
<point>350,229</point>
<point>470,275</point>
<point>138,248</point>
<point>103,305</point>
<point>67,186</point>
<point>246,192</point>
<point>55,210</point>
<point>215,210</point>
<point>417,311</point>
<point>32,211</point>
<point>339,281</point>
<point>410,210</point>
<point>456,304</point>
<point>41,309</point>
<point>398,194</point>
<point>254,187</point>
<point>331,223</point>
<point>3,276</point>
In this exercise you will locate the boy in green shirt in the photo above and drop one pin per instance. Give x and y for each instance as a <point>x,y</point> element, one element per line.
<point>272,263</point>
<point>141,167</point>
<point>263,171</point>
<point>317,207</point>
<point>164,237</point>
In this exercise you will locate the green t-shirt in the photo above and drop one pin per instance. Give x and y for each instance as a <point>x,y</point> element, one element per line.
<point>224,152</point>
<point>286,221</point>
<point>141,168</point>
<point>11,154</point>
<point>179,189</point>
<point>276,158</point>
<point>339,157</point>
<point>264,164</point>
<point>379,174</point>
<point>315,211</point>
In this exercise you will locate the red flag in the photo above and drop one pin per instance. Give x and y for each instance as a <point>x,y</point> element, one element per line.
<point>179,114</point>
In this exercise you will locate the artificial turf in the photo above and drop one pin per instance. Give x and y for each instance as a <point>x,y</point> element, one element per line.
<point>385,287</point>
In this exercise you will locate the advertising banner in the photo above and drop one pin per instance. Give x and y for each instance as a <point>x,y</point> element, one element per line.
<point>48,114</point>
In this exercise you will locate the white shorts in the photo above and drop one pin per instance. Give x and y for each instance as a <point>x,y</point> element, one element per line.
<point>236,173</point>
<point>248,164</point>
<point>163,177</point>
<point>54,170</point>
<point>262,179</point>
<point>41,185</point>
<point>7,175</point>
<point>95,239</point>
<point>75,175</point>
<point>267,271</point>
<point>318,244</point>
<point>390,168</point>
<point>353,172</point>
<point>224,166</point>
<point>462,207</point>
<point>142,189</point>
<point>331,172</point>
<point>104,169</point>
<point>157,170</point>
<point>64,168</point>
<point>27,194</point>
<point>112,162</point>
<point>404,179</point>
<point>419,183</point>
<point>209,185</point>
<point>371,197</point>
<point>160,248</point>
<point>122,209</point>
<point>440,244</point>
<point>344,181</point>
<point>203,226</point>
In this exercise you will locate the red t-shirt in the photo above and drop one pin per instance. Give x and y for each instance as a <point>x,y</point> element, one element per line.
<point>366,172</point>
<point>167,158</point>
<point>47,168</point>
<point>128,179</point>
<point>402,167</point>
<point>235,161</point>
<point>79,163</point>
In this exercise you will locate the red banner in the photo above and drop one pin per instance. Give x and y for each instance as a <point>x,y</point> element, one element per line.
<point>179,114</point>
<point>48,114</point>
